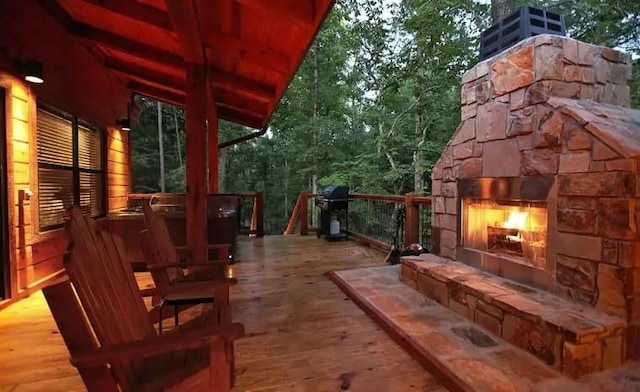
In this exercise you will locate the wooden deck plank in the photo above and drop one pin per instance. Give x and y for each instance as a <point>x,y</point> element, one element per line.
<point>304,333</point>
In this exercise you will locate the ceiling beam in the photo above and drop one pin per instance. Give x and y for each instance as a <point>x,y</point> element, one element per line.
<point>183,15</point>
<point>58,13</point>
<point>227,45</point>
<point>221,79</point>
<point>160,94</point>
<point>173,82</point>
<point>265,58</point>
<point>241,111</point>
<point>125,45</point>
<point>300,12</point>
<point>229,114</point>
<point>229,81</point>
<point>233,100</point>
<point>135,10</point>
<point>225,111</point>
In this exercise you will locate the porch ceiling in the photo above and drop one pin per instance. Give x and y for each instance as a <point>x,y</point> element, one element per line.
<point>251,48</point>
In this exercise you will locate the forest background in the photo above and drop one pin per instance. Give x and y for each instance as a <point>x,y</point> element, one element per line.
<point>372,105</point>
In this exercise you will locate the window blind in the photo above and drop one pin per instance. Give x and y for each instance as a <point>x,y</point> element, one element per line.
<point>70,168</point>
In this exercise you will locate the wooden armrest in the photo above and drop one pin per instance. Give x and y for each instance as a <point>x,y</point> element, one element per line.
<point>194,287</point>
<point>210,263</point>
<point>149,292</point>
<point>209,246</point>
<point>158,345</point>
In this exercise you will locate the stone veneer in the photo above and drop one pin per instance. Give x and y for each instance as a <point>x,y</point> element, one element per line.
<point>564,334</point>
<point>553,106</point>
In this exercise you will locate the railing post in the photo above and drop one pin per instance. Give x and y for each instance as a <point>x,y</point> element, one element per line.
<point>304,212</point>
<point>259,207</point>
<point>412,222</point>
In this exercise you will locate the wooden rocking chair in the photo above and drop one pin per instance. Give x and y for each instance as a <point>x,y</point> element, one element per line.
<point>105,325</point>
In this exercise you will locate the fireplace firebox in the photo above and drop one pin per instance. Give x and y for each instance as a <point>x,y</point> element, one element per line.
<point>516,230</point>
<point>502,227</point>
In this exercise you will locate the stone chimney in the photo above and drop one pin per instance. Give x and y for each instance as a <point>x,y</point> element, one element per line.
<point>546,66</point>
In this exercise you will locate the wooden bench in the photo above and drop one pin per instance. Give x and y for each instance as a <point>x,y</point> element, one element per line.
<point>104,323</point>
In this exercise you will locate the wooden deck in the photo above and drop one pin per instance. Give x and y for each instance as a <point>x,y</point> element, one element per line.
<point>305,335</point>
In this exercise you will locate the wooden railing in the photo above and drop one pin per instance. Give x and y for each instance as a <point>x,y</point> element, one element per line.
<point>252,213</point>
<point>377,220</point>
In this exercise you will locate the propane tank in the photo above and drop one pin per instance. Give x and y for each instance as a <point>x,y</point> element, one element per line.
<point>334,225</point>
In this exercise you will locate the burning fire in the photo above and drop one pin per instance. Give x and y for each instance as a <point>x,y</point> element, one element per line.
<point>516,220</point>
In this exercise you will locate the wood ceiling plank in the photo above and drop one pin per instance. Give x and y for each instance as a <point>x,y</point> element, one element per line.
<point>229,114</point>
<point>251,52</point>
<point>232,99</point>
<point>174,82</point>
<point>299,12</point>
<point>229,81</point>
<point>58,13</point>
<point>184,19</point>
<point>119,43</point>
<point>160,94</point>
<point>135,10</point>
<point>225,112</point>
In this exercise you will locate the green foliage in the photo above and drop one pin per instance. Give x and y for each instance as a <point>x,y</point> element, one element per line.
<point>373,103</point>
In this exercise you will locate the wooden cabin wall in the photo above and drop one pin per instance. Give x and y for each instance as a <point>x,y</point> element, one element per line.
<point>118,169</point>
<point>76,82</point>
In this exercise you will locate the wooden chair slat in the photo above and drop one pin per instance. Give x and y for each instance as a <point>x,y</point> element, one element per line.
<point>152,253</point>
<point>166,254</point>
<point>106,312</point>
<point>159,231</point>
<point>77,334</point>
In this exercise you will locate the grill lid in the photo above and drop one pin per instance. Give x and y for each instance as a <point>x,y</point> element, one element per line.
<point>335,192</point>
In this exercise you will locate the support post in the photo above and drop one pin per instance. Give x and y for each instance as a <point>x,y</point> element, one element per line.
<point>212,140</point>
<point>304,212</point>
<point>412,221</point>
<point>196,162</point>
<point>260,212</point>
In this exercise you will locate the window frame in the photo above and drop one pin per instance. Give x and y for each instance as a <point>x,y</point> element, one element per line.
<point>75,168</point>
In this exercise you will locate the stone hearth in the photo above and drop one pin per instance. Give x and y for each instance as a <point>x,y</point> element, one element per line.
<point>564,334</point>
<point>554,114</point>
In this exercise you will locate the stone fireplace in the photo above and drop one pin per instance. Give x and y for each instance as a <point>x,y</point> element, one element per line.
<point>539,185</point>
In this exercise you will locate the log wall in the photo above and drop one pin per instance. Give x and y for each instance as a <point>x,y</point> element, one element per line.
<point>76,82</point>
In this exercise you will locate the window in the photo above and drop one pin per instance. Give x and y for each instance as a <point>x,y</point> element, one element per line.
<point>70,167</point>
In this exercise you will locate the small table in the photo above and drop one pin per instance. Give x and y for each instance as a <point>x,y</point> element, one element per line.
<point>182,299</point>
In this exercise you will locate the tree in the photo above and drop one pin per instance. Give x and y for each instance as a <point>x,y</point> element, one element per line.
<point>374,102</point>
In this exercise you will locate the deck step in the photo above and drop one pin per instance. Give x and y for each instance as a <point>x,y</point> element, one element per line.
<point>463,355</point>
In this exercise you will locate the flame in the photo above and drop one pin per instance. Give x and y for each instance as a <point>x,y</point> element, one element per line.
<point>516,220</point>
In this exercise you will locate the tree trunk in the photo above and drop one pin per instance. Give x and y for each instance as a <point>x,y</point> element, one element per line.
<point>314,176</point>
<point>222,169</point>
<point>161,148</point>
<point>418,176</point>
<point>179,147</point>
<point>501,9</point>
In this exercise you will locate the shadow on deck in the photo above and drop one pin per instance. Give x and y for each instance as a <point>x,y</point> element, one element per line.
<point>304,334</point>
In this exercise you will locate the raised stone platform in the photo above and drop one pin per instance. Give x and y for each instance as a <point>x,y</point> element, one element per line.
<point>462,355</point>
<point>572,338</point>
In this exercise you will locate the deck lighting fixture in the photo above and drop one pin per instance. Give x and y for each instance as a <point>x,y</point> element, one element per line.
<point>31,71</point>
<point>124,124</point>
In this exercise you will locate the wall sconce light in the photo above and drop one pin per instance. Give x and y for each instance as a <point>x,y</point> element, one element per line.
<point>31,70</point>
<point>124,124</point>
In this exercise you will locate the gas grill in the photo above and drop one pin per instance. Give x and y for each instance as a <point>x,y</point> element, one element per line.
<point>333,212</point>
